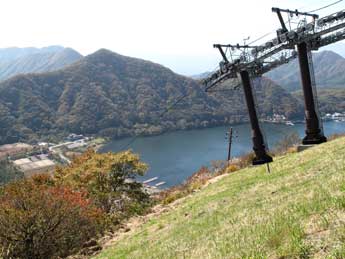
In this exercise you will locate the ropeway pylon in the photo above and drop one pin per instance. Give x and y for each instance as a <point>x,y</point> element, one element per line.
<point>285,47</point>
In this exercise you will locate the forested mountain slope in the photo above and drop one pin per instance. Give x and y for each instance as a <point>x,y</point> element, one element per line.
<point>113,95</point>
<point>329,69</point>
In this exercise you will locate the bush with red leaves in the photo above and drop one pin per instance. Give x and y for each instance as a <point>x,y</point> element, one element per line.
<point>38,220</point>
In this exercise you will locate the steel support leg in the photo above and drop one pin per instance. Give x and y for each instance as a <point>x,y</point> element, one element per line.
<point>261,157</point>
<point>314,134</point>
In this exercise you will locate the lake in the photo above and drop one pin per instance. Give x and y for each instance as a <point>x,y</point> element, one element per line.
<point>174,156</point>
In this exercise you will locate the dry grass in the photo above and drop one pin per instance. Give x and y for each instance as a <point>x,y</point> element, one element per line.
<point>193,183</point>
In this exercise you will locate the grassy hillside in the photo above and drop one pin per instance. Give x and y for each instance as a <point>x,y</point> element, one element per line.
<point>297,211</point>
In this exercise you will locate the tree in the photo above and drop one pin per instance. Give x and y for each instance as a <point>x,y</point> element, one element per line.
<point>109,179</point>
<point>287,142</point>
<point>8,172</point>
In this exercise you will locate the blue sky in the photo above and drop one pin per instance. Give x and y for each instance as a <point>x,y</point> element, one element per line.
<point>176,33</point>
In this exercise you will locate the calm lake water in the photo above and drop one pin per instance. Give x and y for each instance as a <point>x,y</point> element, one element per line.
<point>174,156</point>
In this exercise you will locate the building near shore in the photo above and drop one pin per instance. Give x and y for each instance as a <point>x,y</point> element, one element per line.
<point>35,165</point>
<point>74,137</point>
<point>14,149</point>
<point>77,144</point>
<point>337,116</point>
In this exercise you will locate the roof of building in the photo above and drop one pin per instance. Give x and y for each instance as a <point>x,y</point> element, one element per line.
<point>22,161</point>
<point>34,163</point>
<point>8,147</point>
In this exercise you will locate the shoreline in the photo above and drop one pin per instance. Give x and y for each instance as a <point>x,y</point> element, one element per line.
<point>109,139</point>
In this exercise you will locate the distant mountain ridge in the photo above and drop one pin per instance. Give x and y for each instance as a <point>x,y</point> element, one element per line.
<point>200,76</point>
<point>12,53</point>
<point>117,96</point>
<point>14,61</point>
<point>329,68</point>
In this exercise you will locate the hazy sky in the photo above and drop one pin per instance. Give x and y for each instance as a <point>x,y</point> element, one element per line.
<point>176,33</point>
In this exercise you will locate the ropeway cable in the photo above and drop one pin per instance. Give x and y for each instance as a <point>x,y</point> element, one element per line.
<point>324,7</point>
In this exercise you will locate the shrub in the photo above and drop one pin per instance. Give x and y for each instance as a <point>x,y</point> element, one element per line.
<point>335,136</point>
<point>172,194</point>
<point>219,166</point>
<point>245,160</point>
<point>193,183</point>
<point>287,142</point>
<point>40,221</point>
<point>232,168</point>
<point>8,172</point>
<point>42,180</point>
<point>202,176</point>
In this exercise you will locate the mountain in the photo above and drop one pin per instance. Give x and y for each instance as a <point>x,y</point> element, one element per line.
<point>338,47</point>
<point>329,70</point>
<point>330,100</point>
<point>116,96</point>
<point>14,61</point>
<point>201,76</point>
<point>13,53</point>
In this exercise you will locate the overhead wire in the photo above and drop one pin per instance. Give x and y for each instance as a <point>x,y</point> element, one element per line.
<point>326,6</point>
<point>269,33</point>
<point>318,9</point>
<point>291,20</point>
<point>261,37</point>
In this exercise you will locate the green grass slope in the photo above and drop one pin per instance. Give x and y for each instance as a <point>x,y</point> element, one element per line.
<point>297,211</point>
